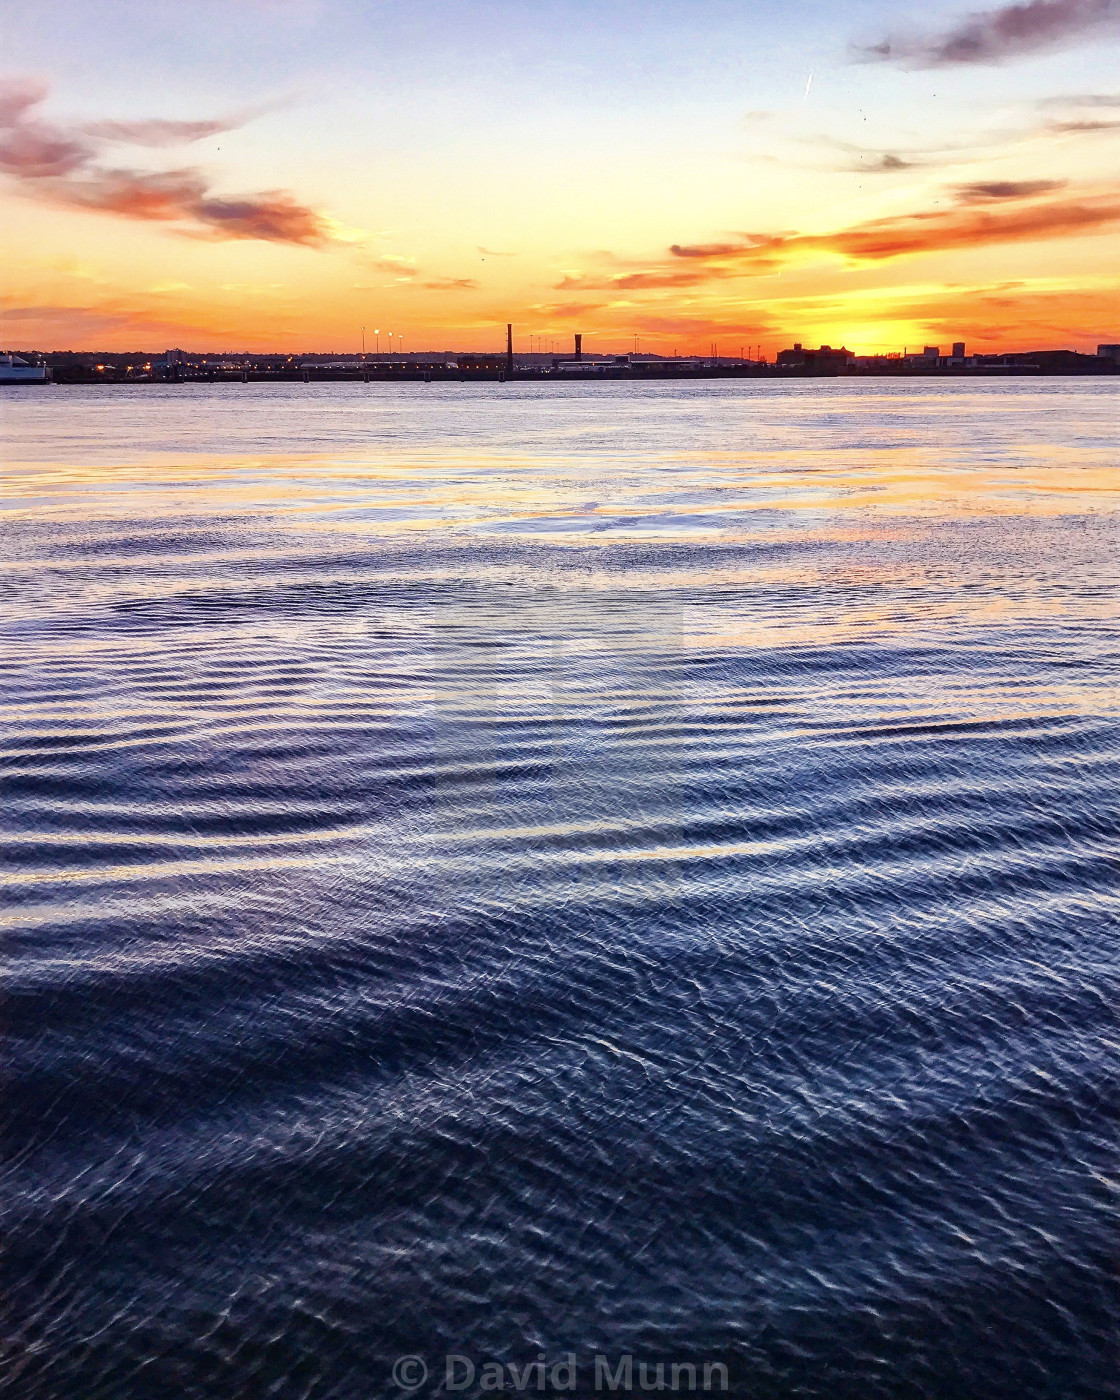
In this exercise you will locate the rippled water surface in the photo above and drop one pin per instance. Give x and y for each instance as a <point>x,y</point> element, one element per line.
<point>598,869</point>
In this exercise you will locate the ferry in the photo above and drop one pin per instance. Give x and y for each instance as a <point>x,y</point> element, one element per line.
<point>13,370</point>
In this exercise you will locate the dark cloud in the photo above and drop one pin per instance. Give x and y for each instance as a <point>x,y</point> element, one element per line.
<point>996,35</point>
<point>992,191</point>
<point>274,216</point>
<point>61,165</point>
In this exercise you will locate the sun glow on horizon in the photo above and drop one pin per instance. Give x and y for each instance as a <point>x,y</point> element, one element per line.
<point>678,184</point>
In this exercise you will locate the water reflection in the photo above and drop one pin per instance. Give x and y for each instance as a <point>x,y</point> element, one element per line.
<point>609,868</point>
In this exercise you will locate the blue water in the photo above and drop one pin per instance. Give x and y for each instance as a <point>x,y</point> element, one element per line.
<point>616,869</point>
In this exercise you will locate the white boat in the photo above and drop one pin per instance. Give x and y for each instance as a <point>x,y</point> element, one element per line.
<point>13,370</point>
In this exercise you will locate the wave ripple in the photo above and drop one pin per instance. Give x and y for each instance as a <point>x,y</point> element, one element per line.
<point>690,935</point>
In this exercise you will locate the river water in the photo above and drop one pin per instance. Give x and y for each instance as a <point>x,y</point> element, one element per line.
<point>574,871</point>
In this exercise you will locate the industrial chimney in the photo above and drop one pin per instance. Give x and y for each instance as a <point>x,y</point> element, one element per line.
<point>509,349</point>
<point>579,347</point>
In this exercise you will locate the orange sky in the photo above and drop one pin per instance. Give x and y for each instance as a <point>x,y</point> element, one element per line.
<point>273,175</point>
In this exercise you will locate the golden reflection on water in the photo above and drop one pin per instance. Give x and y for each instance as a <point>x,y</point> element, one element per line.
<point>562,498</point>
<point>891,478</point>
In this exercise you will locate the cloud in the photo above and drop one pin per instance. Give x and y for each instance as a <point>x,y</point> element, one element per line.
<point>182,196</point>
<point>1081,114</point>
<point>936,231</point>
<point>35,151</point>
<point>993,36</point>
<point>405,270</point>
<point>394,262</point>
<point>114,320</point>
<point>987,215</point>
<point>1085,99</point>
<point>18,95</point>
<point>273,216</point>
<point>61,166</point>
<point>648,280</point>
<point>567,310</point>
<point>888,163</point>
<point>1075,127</point>
<point>157,132</point>
<point>450,284</point>
<point>1062,117</point>
<point>992,191</point>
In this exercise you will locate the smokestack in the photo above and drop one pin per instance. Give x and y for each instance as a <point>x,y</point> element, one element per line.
<point>509,348</point>
<point>579,347</point>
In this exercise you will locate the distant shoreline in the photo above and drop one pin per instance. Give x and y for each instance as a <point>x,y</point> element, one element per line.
<point>613,373</point>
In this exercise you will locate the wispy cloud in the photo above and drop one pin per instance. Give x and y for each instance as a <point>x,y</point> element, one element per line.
<point>994,191</point>
<point>930,232</point>
<point>157,132</point>
<point>404,269</point>
<point>182,196</point>
<point>450,284</point>
<point>63,322</point>
<point>61,165</point>
<point>36,151</point>
<point>1077,126</point>
<point>984,214</point>
<point>567,311</point>
<point>1083,99</point>
<point>18,96</point>
<point>993,36</point>
<point>396,263</point>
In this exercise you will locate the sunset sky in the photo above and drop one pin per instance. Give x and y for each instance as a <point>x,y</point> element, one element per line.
<point>275,174</point>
